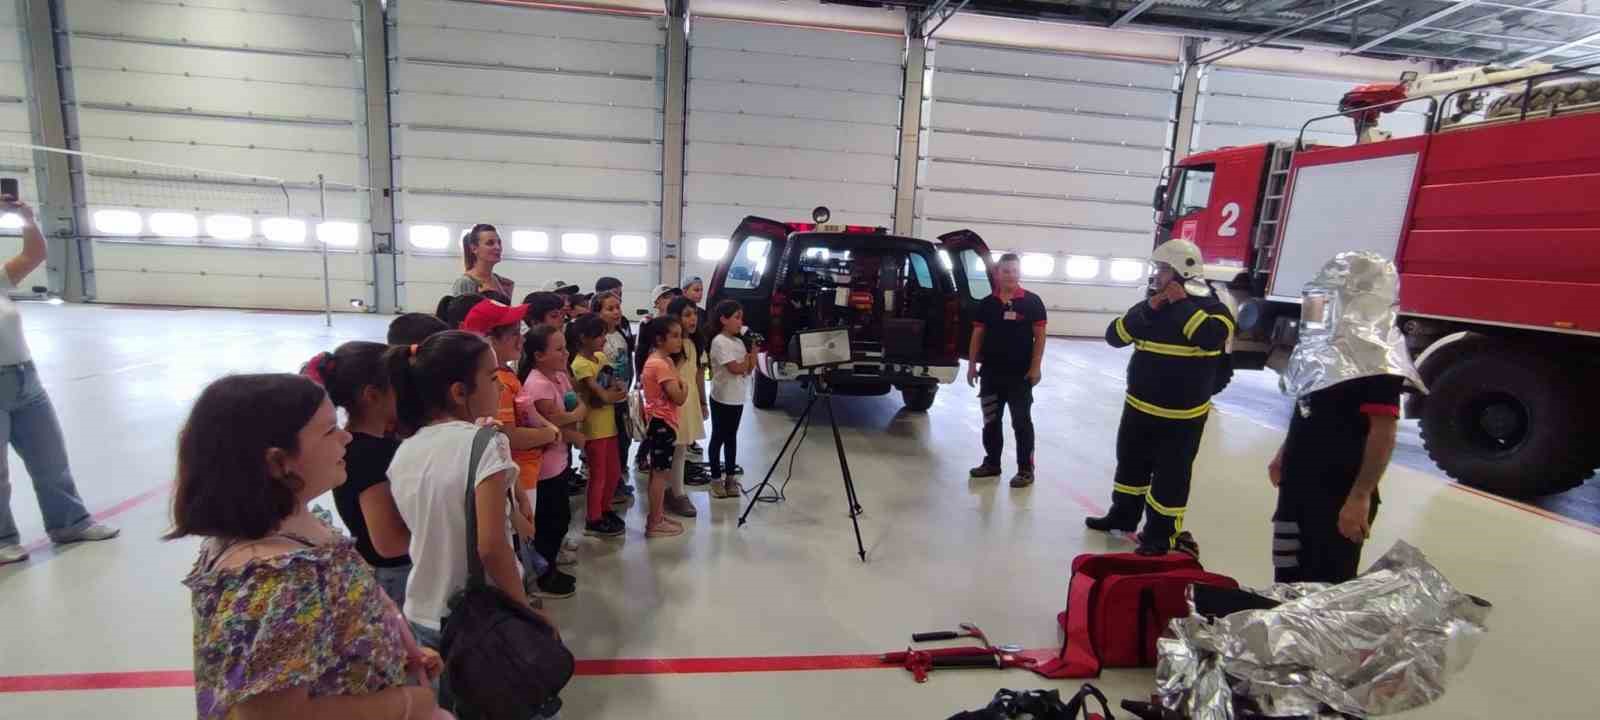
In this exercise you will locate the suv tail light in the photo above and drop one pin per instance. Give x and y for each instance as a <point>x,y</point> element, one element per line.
<point>952,327</point>
<point>775,338</point>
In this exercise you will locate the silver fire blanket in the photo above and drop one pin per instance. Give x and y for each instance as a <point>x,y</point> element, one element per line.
<point>1347,326</point>
<point>1381,643</point>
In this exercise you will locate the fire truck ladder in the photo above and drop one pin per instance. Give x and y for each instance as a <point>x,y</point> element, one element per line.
<point>1271,214</point>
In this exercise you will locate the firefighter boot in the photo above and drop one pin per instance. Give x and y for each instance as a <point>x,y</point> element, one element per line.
<point>1124,515</point>
<point>1159,531</point>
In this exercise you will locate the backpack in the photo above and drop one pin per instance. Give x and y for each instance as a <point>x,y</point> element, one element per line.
<point>501,659</point>
<point>1118,605</point>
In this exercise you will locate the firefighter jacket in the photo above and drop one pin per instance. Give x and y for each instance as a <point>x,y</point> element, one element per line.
<point>1178,360</point>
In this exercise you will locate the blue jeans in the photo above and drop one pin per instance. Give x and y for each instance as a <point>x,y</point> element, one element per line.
<point>28,423</point>
<point>393,581</point>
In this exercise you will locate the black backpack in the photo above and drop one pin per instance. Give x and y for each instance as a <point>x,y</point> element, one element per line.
<point>501,659</point>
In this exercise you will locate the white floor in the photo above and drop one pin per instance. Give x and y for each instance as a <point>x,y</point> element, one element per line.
<point>942,549</point>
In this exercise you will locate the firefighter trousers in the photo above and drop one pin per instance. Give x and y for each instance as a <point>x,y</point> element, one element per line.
<point>1154,460</point>
<point>995,394</point>
<point>1306,543</point>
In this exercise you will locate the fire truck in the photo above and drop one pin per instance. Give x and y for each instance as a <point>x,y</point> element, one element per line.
<point>1491,212</point>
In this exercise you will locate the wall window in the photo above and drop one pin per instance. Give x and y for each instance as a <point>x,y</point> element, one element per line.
<point>577,243</point>
<point>1129,271</point>
<point>429,237</point>
<point>11,221</point>
<point>284,231</point>
<point>174,224</point>
<point>230,227</point>
<point>711,248</point>
<point>335,233</point>
<point>1038,265</point>
<point>630,246</point>
<point>1082,267</point>
<point>118,222</point>
<point>530,241</point>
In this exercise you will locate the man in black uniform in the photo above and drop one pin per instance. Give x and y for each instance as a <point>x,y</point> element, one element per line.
<point>1179,337</point>
<point>1346,374</point>
<point>1007,352</point>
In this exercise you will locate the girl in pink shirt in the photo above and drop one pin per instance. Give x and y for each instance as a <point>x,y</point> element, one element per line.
<point>662,342</point>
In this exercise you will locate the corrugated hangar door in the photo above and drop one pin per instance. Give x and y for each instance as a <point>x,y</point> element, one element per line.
<point>16,130</point>
<point>783,119</point>
<point>545,123</point>
<point>1245,107</point>
<point>1053,156</point>
<point>205,105</point>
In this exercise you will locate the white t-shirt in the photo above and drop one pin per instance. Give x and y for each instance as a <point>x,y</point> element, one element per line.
<point>428,478</point>
<point>13,346</point>
<point>726,387</point>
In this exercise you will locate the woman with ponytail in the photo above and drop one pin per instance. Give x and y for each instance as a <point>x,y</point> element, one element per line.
<point>356,381</point>
<point>481,250</point>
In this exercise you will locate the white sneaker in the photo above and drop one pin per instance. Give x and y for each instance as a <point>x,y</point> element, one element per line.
<point>567,557</point>
<point>12,554</point>
<point>94,532</point>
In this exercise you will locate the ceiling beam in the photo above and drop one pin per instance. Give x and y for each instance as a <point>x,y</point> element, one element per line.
<point>1420,22</point>
<point>1132,13</point>
<point>1340,11</point>
<point>1585,40</point>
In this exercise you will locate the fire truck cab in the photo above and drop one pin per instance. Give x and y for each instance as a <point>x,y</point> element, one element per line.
<point>1491,218</point>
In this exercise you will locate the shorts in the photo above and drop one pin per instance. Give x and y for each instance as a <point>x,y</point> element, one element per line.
<point>660,441</point>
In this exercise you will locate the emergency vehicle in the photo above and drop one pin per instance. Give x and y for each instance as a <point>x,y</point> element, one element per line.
<point>1492,215</point>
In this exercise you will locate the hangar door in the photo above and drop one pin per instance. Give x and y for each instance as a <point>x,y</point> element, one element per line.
<point>1053,156</point>
<point>16,129</point>
<point>201,108</point>
<point>545,123</point>
<point>1245,107</point>
<point>784,119</point>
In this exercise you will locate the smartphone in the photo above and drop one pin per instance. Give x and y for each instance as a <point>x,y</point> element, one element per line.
<point>8,189</point>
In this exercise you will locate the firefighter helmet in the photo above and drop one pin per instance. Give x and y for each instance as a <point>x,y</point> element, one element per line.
<point>1183,256</point>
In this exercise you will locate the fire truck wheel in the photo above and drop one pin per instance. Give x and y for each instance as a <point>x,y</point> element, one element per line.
<point>919,398</point>
<point>1508,422</point>
<point>766,394</point>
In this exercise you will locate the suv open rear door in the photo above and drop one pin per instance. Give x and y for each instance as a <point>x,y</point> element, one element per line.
<point>748,269</point>
<point>967,256</point>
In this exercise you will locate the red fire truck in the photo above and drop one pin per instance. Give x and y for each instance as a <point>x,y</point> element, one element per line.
<point>1492,215</point>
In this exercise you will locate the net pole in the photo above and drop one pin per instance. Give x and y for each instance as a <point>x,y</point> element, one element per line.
<point>327,286</point>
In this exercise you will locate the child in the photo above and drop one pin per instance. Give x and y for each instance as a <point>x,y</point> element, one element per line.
<point>545,393</point>
<point>355,379</point>
<point>662,341</point>
<point>443,387</point>
<point>600,390</point>
<point>529,433</point>
<point>692,420</point>
<point>619,349</point>
<point>413,328</point>
<point>731,363</point>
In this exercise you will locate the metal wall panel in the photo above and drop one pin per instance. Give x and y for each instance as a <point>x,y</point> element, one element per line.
<point>268,88</point>
<point>783,119</point>
<point>16,126</point>
<point>530,119</point>
<point>1246,107</point>
<point>1048,153</point>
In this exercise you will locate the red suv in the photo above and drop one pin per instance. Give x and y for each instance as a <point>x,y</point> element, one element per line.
<point>909,303</point>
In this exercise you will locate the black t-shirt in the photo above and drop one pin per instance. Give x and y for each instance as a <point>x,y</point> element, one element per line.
<point>366,463</point>
<point>1008,325</point>
<point>1328,433</point>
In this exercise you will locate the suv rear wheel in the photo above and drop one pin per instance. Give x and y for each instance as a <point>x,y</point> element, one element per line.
<point>919,397</point>
<point>766,394</point>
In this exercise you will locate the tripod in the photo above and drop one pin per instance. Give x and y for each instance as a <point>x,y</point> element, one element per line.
<point>818,390</point>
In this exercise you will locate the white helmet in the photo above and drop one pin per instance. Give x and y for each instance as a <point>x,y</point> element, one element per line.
<point>1183,256</point>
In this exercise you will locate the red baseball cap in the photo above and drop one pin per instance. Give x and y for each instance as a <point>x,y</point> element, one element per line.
<point>488,315</point>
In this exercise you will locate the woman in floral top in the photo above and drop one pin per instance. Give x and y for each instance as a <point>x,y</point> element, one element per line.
<point>289,622</point>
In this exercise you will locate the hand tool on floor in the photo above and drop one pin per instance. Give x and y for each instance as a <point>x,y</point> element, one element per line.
<point>921,662</point>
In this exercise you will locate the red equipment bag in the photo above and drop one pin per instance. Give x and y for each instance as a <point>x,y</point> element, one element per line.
<point>1118,605</point>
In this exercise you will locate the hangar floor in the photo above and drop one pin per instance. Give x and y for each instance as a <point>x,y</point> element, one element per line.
<point>713,624</point>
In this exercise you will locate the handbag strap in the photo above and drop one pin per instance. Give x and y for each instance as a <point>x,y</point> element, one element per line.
<point>480,444</point>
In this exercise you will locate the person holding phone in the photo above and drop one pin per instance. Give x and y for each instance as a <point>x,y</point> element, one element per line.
<point>27,419</point>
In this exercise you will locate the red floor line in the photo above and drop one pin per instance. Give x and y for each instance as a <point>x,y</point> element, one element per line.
<point>148,679</point>
<point>113,511</point>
